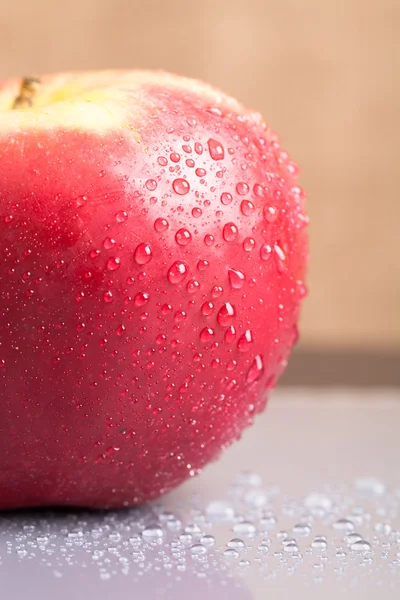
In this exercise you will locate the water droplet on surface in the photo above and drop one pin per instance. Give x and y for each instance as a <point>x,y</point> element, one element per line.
<point>236,279</point>
<point>245,528</point>
<point>161,225</point>
<point>200,172</point>
<point>344,525</point>
<point>245,341</point>
<point>230,553</point>
<point>153,531</point>
<point>177,272</point>
<point>198,550</point>
<point>301,529</point>
<point>236,543</point>
<point>113,263</point>
<point>242,188</point>
<point>226,314</point>
<point>198,148</point>
<point>162,161</point>
<point>183,237</point>
<point>318,501</point>
<point>209,239</point>
<point>268,522</point>
<point>369,486</point>
<point>175,157</point>
<point>180,186</point>
<point>207,540</point>
<point>143,254</point>
<point>230,232</point>
<point>108,296</point>
<point>256,369</point>
<point>319,543</point>
<point>361,546</point>
<point>291,548</point>
<point>255,498</point>
<point>352,538</point>
<point>220,511</point>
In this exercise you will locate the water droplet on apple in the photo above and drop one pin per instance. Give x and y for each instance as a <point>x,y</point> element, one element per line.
<point>175,157</point>
<point>256,369</point>
<point>208,239</point>
<point>207,309</point>
<point>245,341</point>
<point>80,201</point>
<point>192,286</point>
<point>265,252</point>
<point>161,225</point>
<point>121,216</point>
<point>162,161</point>
<point>200,172</point>
<point>216,149</point>
<point>248,244</point>
<point>151,185</point>
<point>202,265</point>
<point>270,213</point>
<point>198,148</point>
<point>108,243</point>
<point>226,314</point>
<point>226,198</point>
<point>230,232</point>
<point>206,334</point>
<point>242,188</point>
<point>183,237</point>
<point>108,296</point>
<point>177,272</point>
<point>236,279</point>
<point>258,190</point>
<point>216,291</point>
<point>197,212</point>
<point>143,254</point>
<point>230,335</point>
<point>113,263</point>
<point>247,207</point>
<point>141,299</point>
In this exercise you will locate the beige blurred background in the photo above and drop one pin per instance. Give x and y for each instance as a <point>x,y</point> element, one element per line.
<point>325,75</point>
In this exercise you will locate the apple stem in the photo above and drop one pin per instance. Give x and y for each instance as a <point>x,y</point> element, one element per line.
<point>27,92</point>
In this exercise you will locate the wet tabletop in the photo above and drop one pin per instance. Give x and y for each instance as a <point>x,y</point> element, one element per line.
<point>307,505</point>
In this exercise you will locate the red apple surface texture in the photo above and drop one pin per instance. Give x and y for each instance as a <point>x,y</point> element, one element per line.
<point>153,249</point>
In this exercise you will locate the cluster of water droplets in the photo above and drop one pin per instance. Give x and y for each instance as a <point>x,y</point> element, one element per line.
<point>348,530</point>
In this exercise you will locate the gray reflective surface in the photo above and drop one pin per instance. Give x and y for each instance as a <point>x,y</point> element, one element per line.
<point>316,466</point>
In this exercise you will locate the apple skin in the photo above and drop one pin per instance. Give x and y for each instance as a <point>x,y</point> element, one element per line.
<point>152,269</point>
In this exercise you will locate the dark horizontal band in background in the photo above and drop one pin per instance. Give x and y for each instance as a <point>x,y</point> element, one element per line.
<point>342,368</point>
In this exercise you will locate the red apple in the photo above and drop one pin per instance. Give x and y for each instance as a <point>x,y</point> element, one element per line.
<point>153,250</point>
